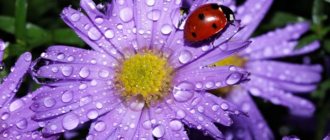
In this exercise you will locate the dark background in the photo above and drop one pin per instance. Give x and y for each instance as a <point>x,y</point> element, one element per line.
<point>39,25</point>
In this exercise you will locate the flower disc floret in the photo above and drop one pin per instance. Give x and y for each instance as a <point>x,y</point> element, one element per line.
<point>145,74</point>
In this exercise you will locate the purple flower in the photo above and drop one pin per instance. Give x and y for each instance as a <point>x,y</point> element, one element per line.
<point>15,115</point>
<point>274,81</point>
<point>140,80</point>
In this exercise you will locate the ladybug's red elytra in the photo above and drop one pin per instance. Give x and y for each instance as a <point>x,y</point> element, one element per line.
<point>207,21</point>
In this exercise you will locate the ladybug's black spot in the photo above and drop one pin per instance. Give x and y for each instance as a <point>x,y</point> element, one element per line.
<point>201,16</point>
<point>215,6</point>
<point>194,34</point>
<point>214,26</point>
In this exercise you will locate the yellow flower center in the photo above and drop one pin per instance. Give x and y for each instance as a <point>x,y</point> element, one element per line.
<point>145,74</point>
<point>232,60</point>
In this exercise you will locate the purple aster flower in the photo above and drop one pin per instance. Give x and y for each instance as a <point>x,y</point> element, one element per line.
<point>140,80</point>
<point>274,81</point>
<point>15,115</point>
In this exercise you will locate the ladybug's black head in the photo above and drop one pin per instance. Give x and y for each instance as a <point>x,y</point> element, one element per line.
<point>229,13</point>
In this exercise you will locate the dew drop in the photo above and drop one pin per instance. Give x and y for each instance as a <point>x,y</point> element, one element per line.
<point>67,96</point>
<point>176,125</point>
<point>100,126</point>
<point>224,106</point>
<point>147,124</point>
<point>150,2</point>
<point>22,124</point>
<point>126,14</point>
<point>75,17</point>
<point>154,15</point>
<point>109,34</point>
<point>60,56</point>
<point>5,116</point>
<point>104,73</point>
<point>158,131</point>
<point>16,105</point>
<point>185,56</point>
<point>233,78</point>
<point>92,114</point>
<point>99,20</point>
<point>84,72</point>
<point>70,121</point>
<point>28,57</point>
<point>166,29</point>
<point>49,102</point>
<point>94,34</point>
<point>180,114</point>
<point>136,105</point>
<point>215,107</point>
<point>66,70</point>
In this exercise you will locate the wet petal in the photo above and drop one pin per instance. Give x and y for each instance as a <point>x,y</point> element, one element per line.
<point>251,14</point>
<point>210,77</point>
<point>34,135</point>
<point>75,72</point>
<point>67,54</point>
<point>89,32</point>
<point>11,83</point>
<point>254,124</point>
<point>2,49</point>
<point>301,74</point>
<point>262,88</point>
<point>117,27</point>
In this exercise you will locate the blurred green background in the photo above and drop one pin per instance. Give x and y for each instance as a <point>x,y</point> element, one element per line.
<point>33,25</point>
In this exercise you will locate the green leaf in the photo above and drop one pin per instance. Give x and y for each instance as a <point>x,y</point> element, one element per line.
<point>326,45</point>
<point>35,35</point>
<point>322,89</point>
<point>66,36</point>
<point>306,40</point>
<point>20,20</point>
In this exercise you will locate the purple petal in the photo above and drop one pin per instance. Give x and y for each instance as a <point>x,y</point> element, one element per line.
<point>89,109</point>
<point>2,49</point>
<point>301,74</point>
<point>254,125</point>
<point>34,135</point>
<point>75,72</point>
<point>251,13</point>
<point>262,88</point>
<point>67,54</point>
<point>165,125</point>
<point>286,34</point>
<point>290,138</point>
<point>11,83</point>
<point>210,77</point>
<point>144,126</point>
<point>89,32</point>
<point>117,27</point>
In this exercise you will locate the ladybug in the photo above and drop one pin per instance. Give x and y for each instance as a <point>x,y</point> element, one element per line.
<point>207,21</point>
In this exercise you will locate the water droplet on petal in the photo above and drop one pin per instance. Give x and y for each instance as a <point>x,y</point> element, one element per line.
<point>5,116</point>
<point>16,105</point>
<point>126,14</point>
<point>109,34</point>
<point>147,124</point>
<point>100,126</point>
<point>60,56</point>
<point>182,95</point>
<point>94,34</point>
<point>176,125</point>
<point>70,121</point>
<point>84,72</point>
<point>99,20</point>
<point>28,57</point>
<point>137,105</point>
<point>215,107</point>
<point>224,106</point>
<point>233,78</point>
<point>158,131</point>
<point>67,96</point>
<point>154,15</point>
<point>75,17</point>
<point>22,124</point>
<point>150,2</point>
<point>66,70</point>
<point>104,73</point>
<point>185,56</point>
<point>166,29</point>
<point>49,102</point>
<point>180,114</point>
<point>92,114</point>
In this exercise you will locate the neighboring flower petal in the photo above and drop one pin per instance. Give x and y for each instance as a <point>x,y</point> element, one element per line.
<point>251,14</point>
<point>36,135</point>
<point>262,88</point>
<point>211,77</point>
<point>254,125</point>
<point>10,84</point>
<point>300,74</point>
